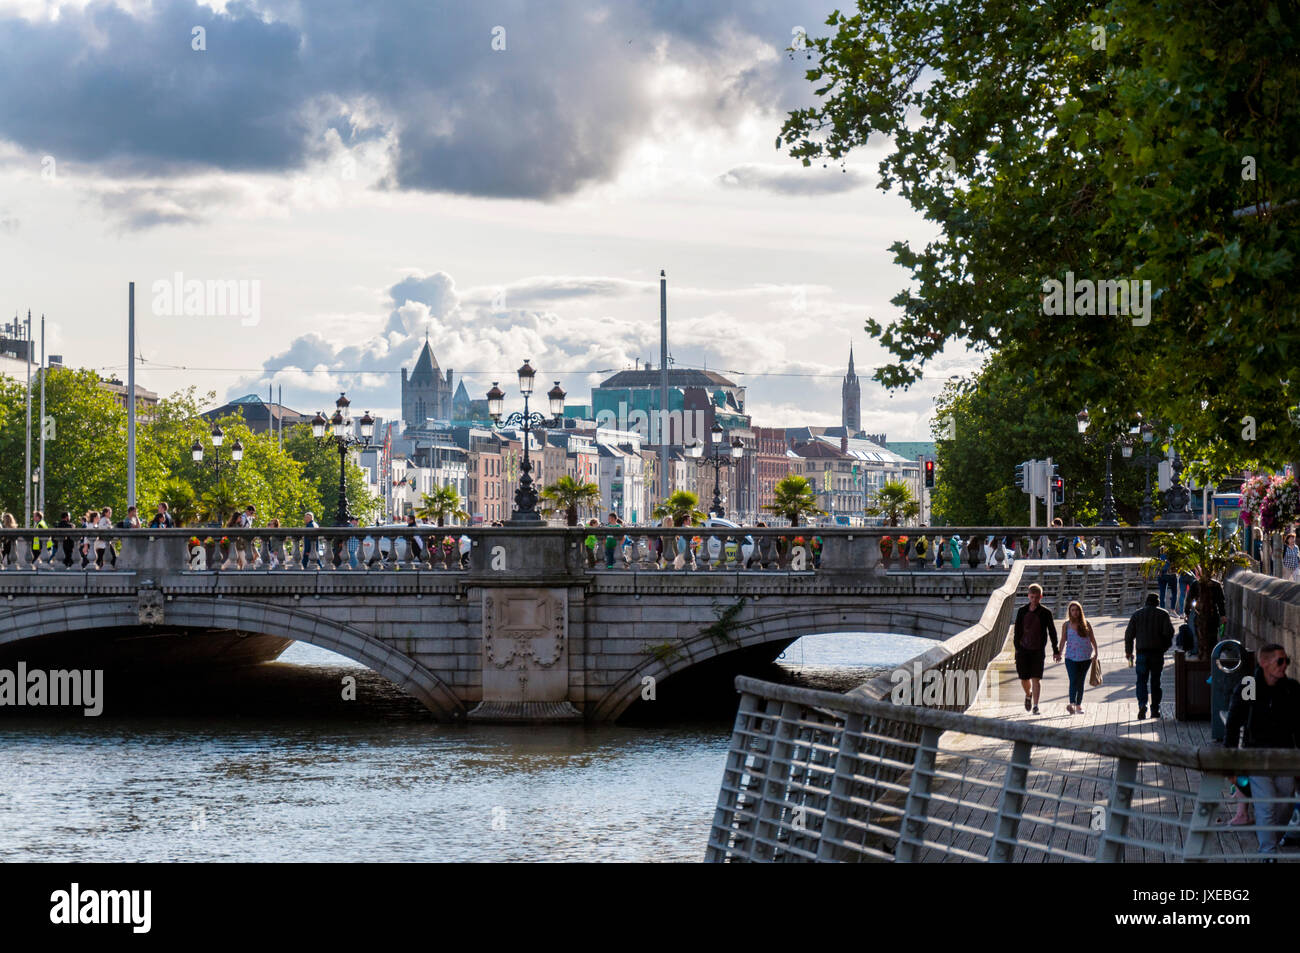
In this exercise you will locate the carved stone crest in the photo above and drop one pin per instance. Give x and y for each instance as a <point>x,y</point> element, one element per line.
<point>525,645</point>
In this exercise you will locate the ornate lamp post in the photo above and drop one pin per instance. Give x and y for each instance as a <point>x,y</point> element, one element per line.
<point>1177,497</point>
<point>717,461</point>
<point>525,512</point>
<point>218,437</point>
<point>1108,517</point>
<point>1147,514</point>
<point>338,430</point>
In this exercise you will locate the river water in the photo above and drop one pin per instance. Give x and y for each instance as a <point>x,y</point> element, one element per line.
<point>271,765</point>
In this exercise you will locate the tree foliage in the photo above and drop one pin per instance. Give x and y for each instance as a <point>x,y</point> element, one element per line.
<point>793,499</point>
<point>684,508</point>
<point>572,497</point>
<point>1000,419</point>
<point>1112,140</point>
<point>894,502</point>
<point>443,504</point>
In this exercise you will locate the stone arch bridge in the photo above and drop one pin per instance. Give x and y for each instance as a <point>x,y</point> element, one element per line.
<point>496,624</point>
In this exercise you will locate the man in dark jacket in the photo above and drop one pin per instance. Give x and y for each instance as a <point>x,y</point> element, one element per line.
<point>1149,633</point>
<point>1265,713</point>
<point>1034,624</point>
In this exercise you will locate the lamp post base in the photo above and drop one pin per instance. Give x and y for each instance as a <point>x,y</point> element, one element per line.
<point>519,518</point>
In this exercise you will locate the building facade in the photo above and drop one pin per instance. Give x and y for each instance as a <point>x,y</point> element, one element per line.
<point>427,392</point>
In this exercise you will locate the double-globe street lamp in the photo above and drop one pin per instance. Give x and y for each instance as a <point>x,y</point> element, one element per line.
<point>1108,517</point>
<point>717,461</point>
<point>218,437</point>
<point>338,429</point>
<point>525,511</point>
<point>1147,515</point>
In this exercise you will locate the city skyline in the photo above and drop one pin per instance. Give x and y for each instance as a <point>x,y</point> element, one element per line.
<point>376,212</point>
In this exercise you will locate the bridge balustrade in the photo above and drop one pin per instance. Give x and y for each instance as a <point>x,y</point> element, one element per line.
<point>616,549</point>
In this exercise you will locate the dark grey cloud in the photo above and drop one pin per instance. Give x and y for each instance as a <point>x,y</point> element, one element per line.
<point>795,180</point>
<point>558,109</point>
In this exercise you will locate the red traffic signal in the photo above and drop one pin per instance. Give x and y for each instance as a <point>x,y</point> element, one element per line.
<point>929,473</point>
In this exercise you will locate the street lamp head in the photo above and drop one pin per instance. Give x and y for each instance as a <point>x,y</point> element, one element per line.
<point>556,397</point>
<point>1126,449</point>
<point>344,408</point>
<point>1148,433</point>
<point>526,374</point>
<point>1082,417</point>
<point>496,400</point>
<point>337,421</point>
<point>716,429</point>
<point>196,451</point>
<point>695,450</point>
<point>367,426</point>
<point>737,448</point>
<point>237,451</point>
<point>318,425</point>
<point>217,435</point>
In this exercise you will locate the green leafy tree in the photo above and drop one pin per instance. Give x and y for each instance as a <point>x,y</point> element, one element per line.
<point>571,496</point>
<point>793,499</point>
<point>85,464</point>
<point>894,502</point>
<point>683,507</point>
<point>1203,554</point>
<point>1107,140</point>
<point>220,502</point>
<point>1000,418</point>
<point>442,504</point>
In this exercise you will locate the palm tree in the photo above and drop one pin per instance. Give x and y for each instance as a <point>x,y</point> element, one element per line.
<point>571,496</point>
<point>219,503</point>
<point>683,506</point>
<point>894,501</point>
<point>181,501</point>
<point>441,505</point>
<point>1207,556</point>
<point>794,498</point>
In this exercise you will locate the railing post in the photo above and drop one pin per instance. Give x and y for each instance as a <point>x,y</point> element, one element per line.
<point>1110,849</point>
<point>918,797</point>
<point>1208,797</point>
<point>1006,828</point>
<point>841,788</point>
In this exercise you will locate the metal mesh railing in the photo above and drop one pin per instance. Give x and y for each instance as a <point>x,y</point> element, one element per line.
<point>816,776</point>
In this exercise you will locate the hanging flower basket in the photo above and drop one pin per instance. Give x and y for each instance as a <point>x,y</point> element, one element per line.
<point>886,546</point>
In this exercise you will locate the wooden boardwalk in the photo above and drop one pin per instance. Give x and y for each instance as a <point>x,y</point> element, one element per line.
<point>971,801</point>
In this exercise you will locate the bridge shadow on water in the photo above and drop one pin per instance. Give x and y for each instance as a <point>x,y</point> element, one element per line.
<point>216,675</point>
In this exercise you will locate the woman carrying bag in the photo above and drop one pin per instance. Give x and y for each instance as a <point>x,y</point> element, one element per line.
<point>1080,654</point>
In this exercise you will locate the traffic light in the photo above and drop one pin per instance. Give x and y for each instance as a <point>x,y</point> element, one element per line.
<point>929,474</point>
<point>1020,476</point>
<point>1058,491</point>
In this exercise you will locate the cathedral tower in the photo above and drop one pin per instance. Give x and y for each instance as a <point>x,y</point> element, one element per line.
<point>851,400</point>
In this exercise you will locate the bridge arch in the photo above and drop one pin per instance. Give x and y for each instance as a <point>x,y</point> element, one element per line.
<point>778,627</point>
<point>71,615</point>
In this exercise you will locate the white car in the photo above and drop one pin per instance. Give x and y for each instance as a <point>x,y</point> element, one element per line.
<point>715,543</point>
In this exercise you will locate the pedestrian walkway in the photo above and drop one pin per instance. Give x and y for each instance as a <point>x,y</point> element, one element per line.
<point>1063,787</point>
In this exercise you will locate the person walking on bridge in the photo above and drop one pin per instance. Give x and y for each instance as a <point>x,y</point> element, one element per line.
<point>1080,650</point>
<point>1265,713</point>
<point>1149,633</point>
<point>1034,624</point>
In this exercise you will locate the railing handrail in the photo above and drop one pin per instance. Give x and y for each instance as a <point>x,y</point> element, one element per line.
<point>1205,759</point>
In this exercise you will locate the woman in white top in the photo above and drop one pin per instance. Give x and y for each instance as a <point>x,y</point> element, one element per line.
<point>102,545</point>
<point>1080,650</point>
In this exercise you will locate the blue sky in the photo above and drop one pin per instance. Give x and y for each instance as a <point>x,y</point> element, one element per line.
<point>506,177</point>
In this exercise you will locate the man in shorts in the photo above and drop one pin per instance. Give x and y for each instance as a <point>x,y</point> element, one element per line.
<point>1034,625</point>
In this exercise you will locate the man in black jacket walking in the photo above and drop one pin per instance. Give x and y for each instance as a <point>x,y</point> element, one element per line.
<point>1150,633</point>
<point>1033,626</point>
<point>1265,713</point>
